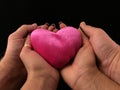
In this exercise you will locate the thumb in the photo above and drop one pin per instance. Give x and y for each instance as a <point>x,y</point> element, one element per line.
<point>26,48</point>
<point>87,29</point>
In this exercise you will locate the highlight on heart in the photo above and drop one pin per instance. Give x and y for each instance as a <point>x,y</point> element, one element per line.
<point>56,48</point>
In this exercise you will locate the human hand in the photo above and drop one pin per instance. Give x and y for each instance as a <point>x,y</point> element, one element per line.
<point>106,50</point>
<point>41,75</point>
<point>83,71</point>
<point>12,70</point>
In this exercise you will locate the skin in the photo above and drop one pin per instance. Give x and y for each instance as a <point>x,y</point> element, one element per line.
<point>106,50</point>
<point>40,75</point>
<point>12,70</point>
<point>83,74</point>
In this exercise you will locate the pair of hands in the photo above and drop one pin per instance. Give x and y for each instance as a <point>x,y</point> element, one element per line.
<point>81,74</point>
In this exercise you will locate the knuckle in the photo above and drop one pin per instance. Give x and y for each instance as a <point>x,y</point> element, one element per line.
<point>99,31</point>
<point>11,36</point>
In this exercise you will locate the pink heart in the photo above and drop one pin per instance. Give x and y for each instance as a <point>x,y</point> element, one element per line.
<point>56,48</point>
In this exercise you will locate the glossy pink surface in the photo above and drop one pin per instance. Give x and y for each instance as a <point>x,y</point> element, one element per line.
<point>56,48</point>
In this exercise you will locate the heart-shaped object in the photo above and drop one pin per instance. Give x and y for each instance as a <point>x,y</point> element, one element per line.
<point>56,48</point>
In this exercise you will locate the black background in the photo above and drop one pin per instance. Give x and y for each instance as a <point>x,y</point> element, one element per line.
<point>14,13</point>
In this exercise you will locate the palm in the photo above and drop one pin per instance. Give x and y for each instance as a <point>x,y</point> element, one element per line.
<point>106,50</point>
<point>14,45</point>
<point>36,63</point>
<point>84,65</point>
<point>13,51</point>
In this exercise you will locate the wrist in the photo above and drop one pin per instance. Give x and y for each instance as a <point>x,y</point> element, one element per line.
<point>11,75</point>
<point>11,61</point>
<point>114,68</point>
<point>95,81</point>
<point>12,66</point>
<point>102,82</point>
<point>41,82</point>
<point>10,79</point>
<point>45,73</point>
<point>86,80</point>
<point>46,76</point>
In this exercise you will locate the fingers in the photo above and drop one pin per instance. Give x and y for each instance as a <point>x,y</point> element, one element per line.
<point>55,30</point>
<point>51,27</point>
<point>44,26</point>
<point>27,42</point>
<point>84,37</point>
<point>62,25</point>
<point>26,48</point>
<point>23,31</point>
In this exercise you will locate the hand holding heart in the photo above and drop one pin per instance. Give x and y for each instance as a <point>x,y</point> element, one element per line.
<point>35,64</point>
<point>56,48</point>
<point>84,62</point>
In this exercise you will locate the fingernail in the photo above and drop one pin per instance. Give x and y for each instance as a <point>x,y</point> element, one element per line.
<point>47,24</point>
<point>80,28</point>
<point>34,24</point>
<point>55,30</point>
<point>53,24</point>
<point>83,23</point>
<point>60,22</point>
<point>39,27</point>
<point>27,45</point>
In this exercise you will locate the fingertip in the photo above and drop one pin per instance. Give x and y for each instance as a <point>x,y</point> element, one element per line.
<point>62,25</point>
<point>60,22</point>
<point>27,39</point>
<point>51,27</point>
<point>44,26</point>
<point>55,30</point>
<point>27,45</point>
<point>34,25</point>
<point>82,24</point>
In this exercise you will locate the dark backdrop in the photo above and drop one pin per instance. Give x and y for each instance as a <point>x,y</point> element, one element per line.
<point>14,13</point>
